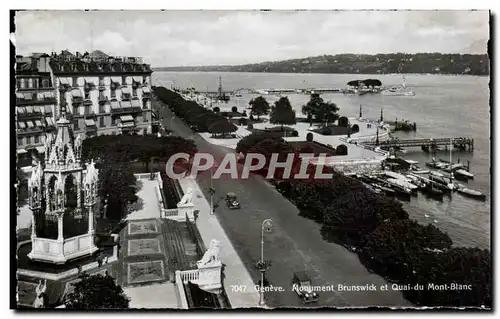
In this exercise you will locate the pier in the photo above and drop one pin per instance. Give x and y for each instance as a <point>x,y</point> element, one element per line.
<point>462,143</point>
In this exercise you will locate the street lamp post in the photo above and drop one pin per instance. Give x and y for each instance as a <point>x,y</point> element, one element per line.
<point>266,224</point>
<point>212,191</point>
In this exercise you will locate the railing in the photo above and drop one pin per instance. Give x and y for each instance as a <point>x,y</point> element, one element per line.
<point>35,101</point>
<point>171,212</point>
<point>142,176</point>
<point>189,275</point>
<point>182,293</point>
<point>76,244</point>
<point>123,110</point>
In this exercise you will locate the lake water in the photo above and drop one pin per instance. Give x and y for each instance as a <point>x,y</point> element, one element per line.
<point>443,106</point>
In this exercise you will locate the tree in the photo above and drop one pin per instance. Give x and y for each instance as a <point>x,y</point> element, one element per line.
<point>282,112</point>
<point>117,184</point>
<point>234,109</point>
<point>222,127</point>
<point>259,106</point>
<point>246,143</point>
<point>355,128</point>
<point>96,292</point>
<point>22,186</point>
<point>216,109</point>
<point>320,110</point>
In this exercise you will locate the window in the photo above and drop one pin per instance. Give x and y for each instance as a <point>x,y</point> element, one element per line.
<point>124,80</point>
<point>113,93</point>
<point>75,109</point>
<point>20,141</point>
<point>75,81</point>
<point>144,79</point>
<point>87,109</point>
<point>37,139</point>
<point>113,121</point>
<point>145,116</point>
<point>45,83</point>
<point>28,140</point>
<point>101,81</point>
<point>101,121</point>
<point>18,83</point>
<point>26,83</point>
<point>144,104</point>
<point>35,83</point>
<point>75,125</point>
<point>101,108</point>
<point>87,95</point>
<point>134,92</point>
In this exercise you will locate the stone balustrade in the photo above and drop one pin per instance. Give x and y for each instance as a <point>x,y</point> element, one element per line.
<point>189,275</point>
<point>180,289</point>
<point>53,250</point>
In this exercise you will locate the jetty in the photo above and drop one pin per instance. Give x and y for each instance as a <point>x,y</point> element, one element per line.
<point>462,143</point>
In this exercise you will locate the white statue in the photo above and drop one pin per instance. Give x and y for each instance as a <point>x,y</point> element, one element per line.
<point>40,294</point>
<point>211,255</point>
<point>187,198</point>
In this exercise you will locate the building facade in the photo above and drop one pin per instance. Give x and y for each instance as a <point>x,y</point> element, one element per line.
<point>103,94</point>
<point>35,104</point>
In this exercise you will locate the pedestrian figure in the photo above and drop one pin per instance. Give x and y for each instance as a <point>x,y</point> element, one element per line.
<point>79,269</point>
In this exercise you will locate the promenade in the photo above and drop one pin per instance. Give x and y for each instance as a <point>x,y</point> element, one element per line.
<point>235,271</point>
<point>294,244</point>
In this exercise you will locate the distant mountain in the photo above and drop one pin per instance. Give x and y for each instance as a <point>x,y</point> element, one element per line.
<point>436,63</point>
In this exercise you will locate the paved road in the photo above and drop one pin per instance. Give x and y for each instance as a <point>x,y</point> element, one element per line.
<point>293,244</point>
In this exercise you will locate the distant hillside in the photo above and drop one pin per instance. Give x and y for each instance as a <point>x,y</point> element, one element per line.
<point>435,63</point>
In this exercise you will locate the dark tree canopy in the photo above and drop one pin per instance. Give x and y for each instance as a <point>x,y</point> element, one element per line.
<point>249,141</point>
<point>355,128</point>
<point>96,292</point>
<point>282,112</point>
<point>190,112</point>
<point>216,109</point>
<point>367,82</point>
<point>222,127</point>
<point>320,110</point>
<point>259,106</point>
<point>234,109</point>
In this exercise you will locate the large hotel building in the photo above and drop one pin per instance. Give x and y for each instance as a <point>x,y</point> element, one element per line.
<point>102,95</point>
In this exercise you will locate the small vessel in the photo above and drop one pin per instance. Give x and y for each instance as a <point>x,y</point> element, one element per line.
<point>431,191</point>
<point>437,174</point>
<point>386,190</point>
<point>472,193</point>
<point>426,216</point>
<point>464,173</point>
<point>398,90</point>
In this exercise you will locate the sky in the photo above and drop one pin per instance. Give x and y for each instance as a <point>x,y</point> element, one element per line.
<point>190,38</point>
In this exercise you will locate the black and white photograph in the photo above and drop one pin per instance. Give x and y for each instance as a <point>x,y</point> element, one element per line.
<point>251,159</point>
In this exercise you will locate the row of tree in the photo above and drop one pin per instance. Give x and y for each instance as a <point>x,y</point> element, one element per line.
<point>317,110</point>
<point>380,231</point>
<point>193,114</point>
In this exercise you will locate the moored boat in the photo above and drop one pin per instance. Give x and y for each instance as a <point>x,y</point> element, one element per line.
<point>472,193</point>
<point>464,173</point>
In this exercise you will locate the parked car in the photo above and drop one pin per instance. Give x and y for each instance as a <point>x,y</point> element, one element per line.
<point>302,285</point>
<point>232,201</point>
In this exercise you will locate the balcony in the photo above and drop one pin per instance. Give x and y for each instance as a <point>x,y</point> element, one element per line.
<point>87,102</point>
<point>90,115</point>
<point>33,112</point>
<point>102,87</point>
<point>124,107</point>
<point>33,99</point>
